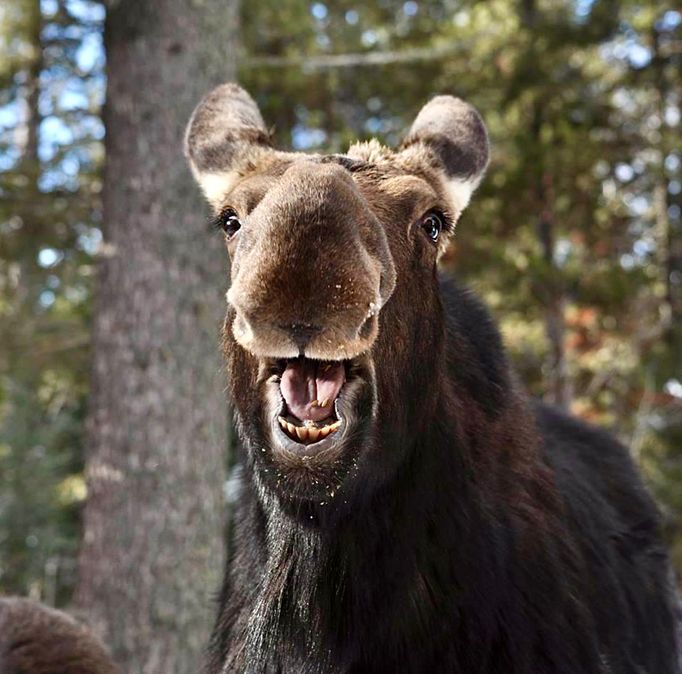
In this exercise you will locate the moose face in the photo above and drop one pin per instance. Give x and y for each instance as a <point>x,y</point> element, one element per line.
<point>334,325</point>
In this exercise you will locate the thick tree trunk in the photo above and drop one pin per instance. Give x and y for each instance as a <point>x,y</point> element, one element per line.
<point>153,541</point>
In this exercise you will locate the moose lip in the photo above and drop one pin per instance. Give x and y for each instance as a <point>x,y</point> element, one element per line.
<point>305,421</point>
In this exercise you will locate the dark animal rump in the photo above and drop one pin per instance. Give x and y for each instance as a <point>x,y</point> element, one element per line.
<point>616,527</point>
<point>35,639</point>
<point>604,514</point>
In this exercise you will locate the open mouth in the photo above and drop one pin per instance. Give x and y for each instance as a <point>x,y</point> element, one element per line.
<point>311,396</point>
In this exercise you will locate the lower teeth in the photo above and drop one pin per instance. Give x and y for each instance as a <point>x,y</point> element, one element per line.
<point>308,431</point>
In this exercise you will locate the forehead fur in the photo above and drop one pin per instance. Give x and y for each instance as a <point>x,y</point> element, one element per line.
<point>371,151</point>
<point>389,183</point>
<point>395,192</point>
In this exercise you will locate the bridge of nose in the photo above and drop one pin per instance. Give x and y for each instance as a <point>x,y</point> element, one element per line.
<point>309,241</point>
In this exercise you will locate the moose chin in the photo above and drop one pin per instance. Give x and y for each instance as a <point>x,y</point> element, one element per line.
<point>403,506</point>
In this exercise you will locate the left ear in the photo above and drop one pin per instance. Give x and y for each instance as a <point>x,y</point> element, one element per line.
<point>225,132</point>
<point>451,137</point>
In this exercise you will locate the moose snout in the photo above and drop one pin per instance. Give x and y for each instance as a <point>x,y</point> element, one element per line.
<point>301,333</point>
<point>336,332</point>
<point>314,270</point>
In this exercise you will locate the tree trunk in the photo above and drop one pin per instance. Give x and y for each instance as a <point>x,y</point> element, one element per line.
<point>664,232</point>
<point>33,119</point>
<point>153,541</point>
<point>559,388</point>
<point>559,382</point>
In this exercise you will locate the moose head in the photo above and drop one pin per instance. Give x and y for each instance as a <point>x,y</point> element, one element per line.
<point>335,327</point>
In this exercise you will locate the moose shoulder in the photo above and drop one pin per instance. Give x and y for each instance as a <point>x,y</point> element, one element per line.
<point>403,506</point>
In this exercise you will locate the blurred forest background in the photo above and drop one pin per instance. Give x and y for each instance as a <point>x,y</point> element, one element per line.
<point>574,240</point>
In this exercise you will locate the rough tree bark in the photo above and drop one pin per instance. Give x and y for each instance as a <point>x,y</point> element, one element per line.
<point>153,541</point>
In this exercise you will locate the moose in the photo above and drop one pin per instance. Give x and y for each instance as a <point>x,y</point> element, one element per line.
<point>403,505</point>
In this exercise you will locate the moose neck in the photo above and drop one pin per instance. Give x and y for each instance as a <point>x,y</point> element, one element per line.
<point>468,489</point>
<point>324,577</point>
<point>420,538</point>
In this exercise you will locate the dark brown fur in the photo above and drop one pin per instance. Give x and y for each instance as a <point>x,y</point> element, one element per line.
<point>35,639</point>
<point>454,526</point>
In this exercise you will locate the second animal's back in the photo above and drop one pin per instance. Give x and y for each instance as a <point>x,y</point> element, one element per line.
<point>35,639</point>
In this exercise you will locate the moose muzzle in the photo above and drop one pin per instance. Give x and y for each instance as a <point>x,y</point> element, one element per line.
<point>312,268</point>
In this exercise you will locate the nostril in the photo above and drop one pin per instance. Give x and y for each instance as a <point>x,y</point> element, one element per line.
<point>242,327</point>
<point>366,328</point>
<point>386,284</point>
<point>301,333</point>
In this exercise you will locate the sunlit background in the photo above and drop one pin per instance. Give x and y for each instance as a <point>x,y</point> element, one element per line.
<point>574,240</point>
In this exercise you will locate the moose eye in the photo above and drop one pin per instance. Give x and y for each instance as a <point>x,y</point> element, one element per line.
<point>432,224</point>
<point>229,222</point>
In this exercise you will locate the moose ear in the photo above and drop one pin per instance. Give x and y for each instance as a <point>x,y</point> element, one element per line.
<point>224,133</point>
<point>450,135</point>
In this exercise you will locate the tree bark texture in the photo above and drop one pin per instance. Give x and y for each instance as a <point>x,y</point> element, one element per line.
<point>154,521</point>
<point>559,384</point>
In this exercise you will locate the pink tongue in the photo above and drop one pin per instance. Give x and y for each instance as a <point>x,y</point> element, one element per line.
<point>305,381</point>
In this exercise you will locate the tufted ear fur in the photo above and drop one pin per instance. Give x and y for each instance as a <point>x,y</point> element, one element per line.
<point>224,133</point>
<point>454,139</point>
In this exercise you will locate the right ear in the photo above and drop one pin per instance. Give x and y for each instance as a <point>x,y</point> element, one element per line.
<point>224,132</point>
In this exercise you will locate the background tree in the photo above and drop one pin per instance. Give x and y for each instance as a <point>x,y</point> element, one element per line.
<point>152,545</point>
<point>51,87</point>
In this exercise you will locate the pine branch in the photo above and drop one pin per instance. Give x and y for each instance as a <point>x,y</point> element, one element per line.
<point>354,60</point>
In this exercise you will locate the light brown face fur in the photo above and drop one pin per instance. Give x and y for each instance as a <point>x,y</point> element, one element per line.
<point>332,276</point>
